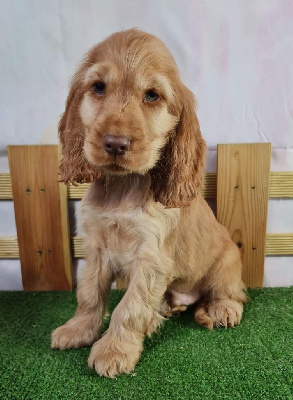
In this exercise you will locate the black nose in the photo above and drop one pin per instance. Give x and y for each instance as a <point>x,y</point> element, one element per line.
<point>116,145</point>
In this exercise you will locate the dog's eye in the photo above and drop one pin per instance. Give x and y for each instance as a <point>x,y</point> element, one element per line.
<point>151,96</point>
<point>99,88</point>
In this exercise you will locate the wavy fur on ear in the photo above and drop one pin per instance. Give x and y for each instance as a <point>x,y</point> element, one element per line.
<point>177,178</point>
<point>74,168</point>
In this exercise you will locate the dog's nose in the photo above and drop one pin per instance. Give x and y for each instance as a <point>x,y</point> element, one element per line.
<point>116,145</point>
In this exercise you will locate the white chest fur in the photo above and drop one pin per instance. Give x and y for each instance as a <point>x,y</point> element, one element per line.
<point>120,218</point>
<point>125,235</point>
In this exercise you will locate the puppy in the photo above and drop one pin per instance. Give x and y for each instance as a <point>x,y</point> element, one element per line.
<point>130,128</point>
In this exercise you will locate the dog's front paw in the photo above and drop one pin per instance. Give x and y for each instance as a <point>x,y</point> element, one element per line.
<point>74,334</point>
<point>111,357</point>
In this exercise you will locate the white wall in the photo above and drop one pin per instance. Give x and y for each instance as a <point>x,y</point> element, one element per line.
<point>235,55</point>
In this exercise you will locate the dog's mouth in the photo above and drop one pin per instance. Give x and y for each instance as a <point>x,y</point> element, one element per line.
<point>110,164</point>
<point>114,168</point>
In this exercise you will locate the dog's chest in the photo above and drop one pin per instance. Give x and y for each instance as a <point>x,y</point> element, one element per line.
<point>128,234</point>
<point>121,235</point>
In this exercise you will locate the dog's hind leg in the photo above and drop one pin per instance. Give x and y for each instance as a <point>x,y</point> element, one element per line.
<point>222,303</point>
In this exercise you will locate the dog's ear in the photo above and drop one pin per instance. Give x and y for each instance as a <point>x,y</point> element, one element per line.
<point>177,177</point>
<point>74,168</point>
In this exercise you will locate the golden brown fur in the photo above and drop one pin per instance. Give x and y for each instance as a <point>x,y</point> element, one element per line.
<point>143,216</point>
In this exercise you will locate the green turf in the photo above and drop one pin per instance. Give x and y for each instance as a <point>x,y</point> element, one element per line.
<point>181,361</point>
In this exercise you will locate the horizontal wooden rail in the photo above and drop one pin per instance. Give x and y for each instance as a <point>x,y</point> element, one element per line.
<point>5,187</point>
<point>77,247</point>
<point>276,244</point>
<point>279,244</point>
<point>281,186</point>
<point>208,191</point>
<point>9,247</point>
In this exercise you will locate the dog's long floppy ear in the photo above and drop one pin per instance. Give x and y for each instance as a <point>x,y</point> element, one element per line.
<point>177,178</point>
<point>74,168</point>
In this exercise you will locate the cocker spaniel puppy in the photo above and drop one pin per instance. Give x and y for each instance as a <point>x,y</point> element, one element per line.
<point>130,128</point>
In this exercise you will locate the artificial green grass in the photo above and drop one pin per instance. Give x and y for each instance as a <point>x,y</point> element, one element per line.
<point>182,361</point>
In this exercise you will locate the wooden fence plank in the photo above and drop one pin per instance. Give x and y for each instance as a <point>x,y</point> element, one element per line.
<point>281,185</point>
<point>242,202</point>
<point>40,205</point>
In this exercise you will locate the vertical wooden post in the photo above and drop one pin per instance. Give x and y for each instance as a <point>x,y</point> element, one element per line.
<point>242,202</point>
<point>41,214</point>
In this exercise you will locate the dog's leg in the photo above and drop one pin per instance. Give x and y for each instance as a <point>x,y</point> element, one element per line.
<point>138,314</point>
<point>92,294</point>
<point>223,305</point>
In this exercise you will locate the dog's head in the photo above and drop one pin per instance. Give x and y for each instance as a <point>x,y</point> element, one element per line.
<point>128,112</point>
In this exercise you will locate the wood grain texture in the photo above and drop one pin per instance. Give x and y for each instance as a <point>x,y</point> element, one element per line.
<point>9,247</point>
<point>5,187</point>
<point>76,192</point>
<point>40,204</point>
<point>279,244</point>
<point>281,184</point>
<point>242,202</point>
<point>77,246</point>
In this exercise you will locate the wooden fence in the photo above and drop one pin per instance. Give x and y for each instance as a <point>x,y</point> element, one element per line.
<point>242,186</point>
